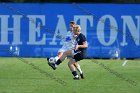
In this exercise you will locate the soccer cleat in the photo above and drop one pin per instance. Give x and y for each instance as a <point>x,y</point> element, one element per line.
<point>52,65</point>
<point>48,59</point>
<point>76,78</point>
<point>82,76</point>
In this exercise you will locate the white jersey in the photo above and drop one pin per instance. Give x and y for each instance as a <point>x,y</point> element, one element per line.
<point>69,42</point>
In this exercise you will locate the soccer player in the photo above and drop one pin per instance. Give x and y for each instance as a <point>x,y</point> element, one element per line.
<point>69,40</point>
<point>69,44</point>
<point>77,54</point>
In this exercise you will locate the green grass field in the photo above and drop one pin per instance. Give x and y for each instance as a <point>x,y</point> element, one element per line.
<point>17,76</point>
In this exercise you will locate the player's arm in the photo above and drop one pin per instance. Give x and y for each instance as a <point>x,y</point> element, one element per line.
<point>84,45</point>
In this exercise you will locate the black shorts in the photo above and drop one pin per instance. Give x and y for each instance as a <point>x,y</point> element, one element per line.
<point>78,55</point>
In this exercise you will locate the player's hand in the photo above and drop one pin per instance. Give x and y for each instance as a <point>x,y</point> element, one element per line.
<point>77,47</point>
<point>74,36</point>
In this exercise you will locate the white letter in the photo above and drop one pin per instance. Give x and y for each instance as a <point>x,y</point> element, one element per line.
<point>83,22</point>
<point>34,30</point>
<point>60,29</point>
<point>113,32</point>
<point>128,21</point>
<point>15,29</point>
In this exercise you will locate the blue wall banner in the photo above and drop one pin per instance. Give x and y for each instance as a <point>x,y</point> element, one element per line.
<point>33,30</point>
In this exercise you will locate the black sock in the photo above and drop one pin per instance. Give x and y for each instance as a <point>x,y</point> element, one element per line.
<point>58,62</point>
<point>74,73</point>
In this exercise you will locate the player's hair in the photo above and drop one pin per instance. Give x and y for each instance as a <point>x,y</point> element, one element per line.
<point>72,22</point>
<point>77,27</point>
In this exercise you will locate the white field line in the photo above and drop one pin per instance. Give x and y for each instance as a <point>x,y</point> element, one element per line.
<point>124,63</point>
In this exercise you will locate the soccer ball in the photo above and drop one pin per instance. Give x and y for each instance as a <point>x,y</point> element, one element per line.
<point>52,60</point>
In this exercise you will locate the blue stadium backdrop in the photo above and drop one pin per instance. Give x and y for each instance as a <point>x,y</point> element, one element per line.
<point>34,30</point>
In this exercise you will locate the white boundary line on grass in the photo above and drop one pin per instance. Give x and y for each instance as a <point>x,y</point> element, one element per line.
<point>124,63</point>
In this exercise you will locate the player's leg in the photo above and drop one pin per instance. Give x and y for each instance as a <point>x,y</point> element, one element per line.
<point>59,54</point>
<point>70,65</point>
<point>77,56</point>
<point>72,69</point>
<point>77,65</point>
<point>61,59</point>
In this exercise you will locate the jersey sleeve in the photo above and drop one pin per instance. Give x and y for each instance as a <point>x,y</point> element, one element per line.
<point>83,38</point>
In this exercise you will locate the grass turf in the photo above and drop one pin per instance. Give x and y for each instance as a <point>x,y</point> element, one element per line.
<point>33,75</point>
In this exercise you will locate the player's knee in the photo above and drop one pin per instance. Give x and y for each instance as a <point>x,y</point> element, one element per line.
<point>75,65</point>
<point>69,64</point>
<point>65,53</point>
<point>59,54</point>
